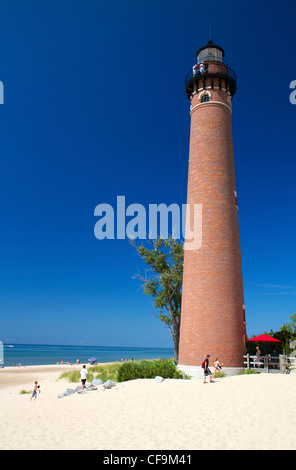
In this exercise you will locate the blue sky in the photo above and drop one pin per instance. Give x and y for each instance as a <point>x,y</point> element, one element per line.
<point>94,108</point>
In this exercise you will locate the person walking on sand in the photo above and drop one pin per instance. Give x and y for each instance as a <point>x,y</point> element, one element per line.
<point>34,393</point>
<point>207,372</point>
<point>83,375</point>
<point>218,367</point>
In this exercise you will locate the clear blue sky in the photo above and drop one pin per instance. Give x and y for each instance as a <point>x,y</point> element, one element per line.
<point>94,108</point>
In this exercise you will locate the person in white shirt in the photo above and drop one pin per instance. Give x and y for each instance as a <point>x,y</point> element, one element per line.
<point>201,68</point>
<point>83,375</point>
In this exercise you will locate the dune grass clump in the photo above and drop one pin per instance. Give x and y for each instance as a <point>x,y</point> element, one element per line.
<point>220,375</point>
<point>74,376</point>
<point>121,372</point>
<point>106,372</point>
<point>250,372</point>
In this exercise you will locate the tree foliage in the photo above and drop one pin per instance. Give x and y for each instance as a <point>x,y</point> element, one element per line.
<point>163,281</point>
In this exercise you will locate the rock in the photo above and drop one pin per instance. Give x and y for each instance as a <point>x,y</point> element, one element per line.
<point>90,387</point>
<point>97,382</point>
<point>159,379</point>
<point>67,393</point>
<point>109,384</point>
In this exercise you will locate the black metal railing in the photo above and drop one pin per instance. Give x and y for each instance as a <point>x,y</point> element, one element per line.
<point>190,75</point>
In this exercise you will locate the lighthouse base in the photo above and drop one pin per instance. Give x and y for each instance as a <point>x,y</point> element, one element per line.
<point>197,372</point>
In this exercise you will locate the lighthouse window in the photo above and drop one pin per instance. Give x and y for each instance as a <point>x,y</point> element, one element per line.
<point>205,98</point>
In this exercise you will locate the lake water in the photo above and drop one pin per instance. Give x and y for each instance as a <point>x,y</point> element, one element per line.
<point>40,354</point>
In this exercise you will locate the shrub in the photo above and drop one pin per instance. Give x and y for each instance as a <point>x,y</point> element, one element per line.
<point>148,370</point>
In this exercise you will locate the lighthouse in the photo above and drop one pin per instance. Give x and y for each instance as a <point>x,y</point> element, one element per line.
<point>213,312</point>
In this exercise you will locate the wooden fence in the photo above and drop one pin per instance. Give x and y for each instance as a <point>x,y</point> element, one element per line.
<point>270,363</point>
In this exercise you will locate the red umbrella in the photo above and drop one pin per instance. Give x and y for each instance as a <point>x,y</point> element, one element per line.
<point>265,339</point>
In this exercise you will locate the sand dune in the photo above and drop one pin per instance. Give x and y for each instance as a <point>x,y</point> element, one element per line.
<point>243,412</point>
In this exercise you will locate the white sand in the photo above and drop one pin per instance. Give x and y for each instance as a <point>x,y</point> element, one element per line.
<point>243,412</point>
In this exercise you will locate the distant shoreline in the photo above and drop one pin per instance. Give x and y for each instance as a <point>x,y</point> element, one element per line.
<point>19,376</point>
<point>39,355</point>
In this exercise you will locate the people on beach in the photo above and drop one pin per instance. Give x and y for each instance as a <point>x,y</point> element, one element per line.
<point>83,375</point>
<point>207,372</point>
<point>218,366</point>
<point>35,390</point>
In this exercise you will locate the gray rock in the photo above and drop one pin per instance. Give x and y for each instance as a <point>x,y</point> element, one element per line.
<point>109,384</point>
<point>90,387</point>
<point>159,379</point>
<point>97,382</point>
<point>67,393</point>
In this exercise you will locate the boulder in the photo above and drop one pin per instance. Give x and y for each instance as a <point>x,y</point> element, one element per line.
<point>66,393</point>
<point>90,387</point>
<point>159,379</point>
<point>109,384</point>
<point>97,382</point>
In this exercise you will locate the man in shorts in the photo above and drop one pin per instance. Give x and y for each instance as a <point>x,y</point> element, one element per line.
<point>207,371</point>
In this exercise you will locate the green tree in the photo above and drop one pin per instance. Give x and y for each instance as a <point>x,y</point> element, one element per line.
<point>291,326</point>
<point>165,261</point>
<point>286,333</point>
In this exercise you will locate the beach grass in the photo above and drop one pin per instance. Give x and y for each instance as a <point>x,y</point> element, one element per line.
<point>250,372</point>
<point>130,370</point>
<point>219,375</point>
<point>106,372</point>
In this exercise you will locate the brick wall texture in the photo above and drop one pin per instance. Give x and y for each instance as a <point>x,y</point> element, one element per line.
<point>212,314</point>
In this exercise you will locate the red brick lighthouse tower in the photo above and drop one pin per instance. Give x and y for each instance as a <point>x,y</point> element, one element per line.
<point>213,311</point>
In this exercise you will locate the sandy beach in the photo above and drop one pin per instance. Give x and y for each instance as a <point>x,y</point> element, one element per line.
<point>242,412</point>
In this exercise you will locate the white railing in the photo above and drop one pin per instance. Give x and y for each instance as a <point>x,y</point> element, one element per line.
<point>289,363</point>
<point>266,363</point>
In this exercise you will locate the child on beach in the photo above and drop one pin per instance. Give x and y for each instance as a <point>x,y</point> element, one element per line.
<point>218,367</point>
<point>34,393</point>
